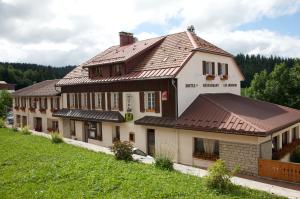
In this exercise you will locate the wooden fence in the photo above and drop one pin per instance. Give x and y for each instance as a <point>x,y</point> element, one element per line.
<point>275,169</point>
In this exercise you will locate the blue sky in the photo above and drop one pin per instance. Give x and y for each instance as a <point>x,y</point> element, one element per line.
<point>287,24</point>
<point>59,33</point>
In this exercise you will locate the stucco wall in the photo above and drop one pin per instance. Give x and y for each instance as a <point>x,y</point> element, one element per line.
<point>192,74</point>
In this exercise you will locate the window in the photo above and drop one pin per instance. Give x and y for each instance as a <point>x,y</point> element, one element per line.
<point>98,72</point>
<point>116,69</point>
<point>85,99</point>
<point>294,134</point>
<point>116,134</point>
<point>131,137</point>
<point>222,69</point>
<point>98,100</point>
<point>284,138</point>
<point>150,101</point>
<point>93,131</point>
<point>23,102</point>
<point>73,99</point>
<point>72,127</point>
<point>55,102</point>
<point>115,101</point>
<point>208,68</point>
<point>33,102</point>
<point>129,102</point>
<point>206,148</point>
<point>55,125</point>
<point>43,103</point>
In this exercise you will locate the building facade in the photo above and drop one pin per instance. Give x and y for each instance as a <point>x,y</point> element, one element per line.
<point>176,95</point>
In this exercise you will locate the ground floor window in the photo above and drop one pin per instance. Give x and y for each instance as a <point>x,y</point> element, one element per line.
<point>18,120</point>
<point>206,148</point>
<point>55,125</point>
<point>38,124</point>
<point>93,131</point>
<point>24,121</point>
<point>131,137</point>
<point>116,134</point>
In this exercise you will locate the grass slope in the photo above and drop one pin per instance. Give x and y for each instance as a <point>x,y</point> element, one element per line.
<point>33,167</point>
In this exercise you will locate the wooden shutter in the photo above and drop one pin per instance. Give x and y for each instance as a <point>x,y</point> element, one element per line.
<point>204,67</point>
<point>93,100</point>
<point>142,102</point>
<point>79,100</point>
<point>51,101</point>
<point>108,101</point>
<point>88,101</point>
<point>213,68</point>
<point>226,69</point>
<point>219,69</point>
<point>120,101</point>
<point>103,101</point>
<point>157,102</point>
<point>68,100</point>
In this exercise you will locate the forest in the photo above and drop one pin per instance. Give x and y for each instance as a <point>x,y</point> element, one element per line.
<point>24,74</point>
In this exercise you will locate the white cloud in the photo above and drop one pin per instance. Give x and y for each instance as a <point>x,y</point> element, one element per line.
<point>71,31</point>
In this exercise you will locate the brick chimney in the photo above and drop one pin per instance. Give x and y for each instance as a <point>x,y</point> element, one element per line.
<point>126,38</point>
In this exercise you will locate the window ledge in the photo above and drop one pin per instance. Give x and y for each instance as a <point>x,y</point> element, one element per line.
<point>223,77</point>
<point>206,156</point>
<point>210,77</point>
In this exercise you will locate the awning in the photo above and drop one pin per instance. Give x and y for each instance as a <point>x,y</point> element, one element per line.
<point>90,115</point>
<point>156,121</point>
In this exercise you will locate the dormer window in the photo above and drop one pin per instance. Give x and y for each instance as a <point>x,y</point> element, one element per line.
<point>98,72</point>
<point>116,69</point>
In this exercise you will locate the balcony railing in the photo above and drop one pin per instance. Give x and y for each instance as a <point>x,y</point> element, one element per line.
<point>277,155</point>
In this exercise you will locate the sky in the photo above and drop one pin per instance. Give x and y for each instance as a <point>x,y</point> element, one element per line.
<point>69,32</point>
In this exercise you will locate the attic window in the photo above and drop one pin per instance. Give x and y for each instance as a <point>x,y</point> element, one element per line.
<point>116,69</point>
<point>98,72</point>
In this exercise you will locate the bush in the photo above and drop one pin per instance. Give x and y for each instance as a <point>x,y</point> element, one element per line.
<point>164,162</point>
<point>219,176</point>
<point>15,129</point>
<point>25,130</point>
<point>56,138</point>
<point>2,123</point>
<point>122,150</point>
<point>295,156</point>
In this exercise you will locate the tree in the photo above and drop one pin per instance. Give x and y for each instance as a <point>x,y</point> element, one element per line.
<point>5,103</point>
<point>281,86</point>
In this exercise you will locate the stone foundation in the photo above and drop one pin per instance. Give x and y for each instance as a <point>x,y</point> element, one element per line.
<point>241,154</point>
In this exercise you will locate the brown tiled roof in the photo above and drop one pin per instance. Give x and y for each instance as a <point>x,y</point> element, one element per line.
<point>90,115</point>
<point>166,56</point>
<point>231,113</point>
<point>44,88</point>
<point>156,121</point>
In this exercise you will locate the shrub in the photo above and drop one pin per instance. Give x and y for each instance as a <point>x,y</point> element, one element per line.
<point>25,130</point>
<point>219,176</point>
<point>122,150</point>
<point>164,162</point>
<point>2,123</point>
<point>56,138</point>
<point>15,129</point>
<point>295,156</point>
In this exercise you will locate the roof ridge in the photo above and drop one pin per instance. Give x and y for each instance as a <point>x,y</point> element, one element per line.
<point>192,40</point>
<point>225,109</point>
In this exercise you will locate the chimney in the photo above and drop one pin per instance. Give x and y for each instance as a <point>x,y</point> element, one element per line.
<point>126,38</point>
<point>191,28</point>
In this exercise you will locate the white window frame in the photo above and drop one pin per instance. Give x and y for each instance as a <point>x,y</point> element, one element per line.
<point>209,68</point>
<point>129,103</point>
<point>115,101</point>
<point>84,100</point>
<point>98,100</point>
<point>149,99</point>
<point>223,69</point>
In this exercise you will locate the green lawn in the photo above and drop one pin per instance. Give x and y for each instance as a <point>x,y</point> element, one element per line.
<point>33,167</point>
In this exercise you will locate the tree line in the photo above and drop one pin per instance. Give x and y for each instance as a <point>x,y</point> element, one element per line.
<point>24,74</point>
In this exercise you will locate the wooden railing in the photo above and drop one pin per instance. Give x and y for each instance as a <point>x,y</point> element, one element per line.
<point>275,169</point>
<point>277,155</point>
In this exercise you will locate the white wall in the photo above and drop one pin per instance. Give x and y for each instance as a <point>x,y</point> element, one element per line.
<point>192,74</point>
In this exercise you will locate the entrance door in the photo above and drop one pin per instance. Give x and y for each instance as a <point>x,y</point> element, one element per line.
<point>151,142</point>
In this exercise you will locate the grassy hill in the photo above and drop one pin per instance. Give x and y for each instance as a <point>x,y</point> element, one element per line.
<point>33,167</point>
